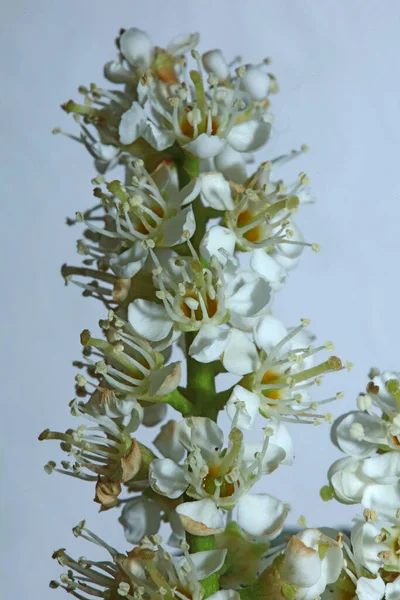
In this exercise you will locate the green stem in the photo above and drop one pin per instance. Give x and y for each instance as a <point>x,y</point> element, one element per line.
<point>201,383</point>
<point>198,544</point>
<point>175,399</point>
<point>200,377</point>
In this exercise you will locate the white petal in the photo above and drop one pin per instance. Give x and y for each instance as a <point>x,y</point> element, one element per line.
<point>344,434</point>
<point>167,478</point>
<point>365,548</point>
<point>205,146</point>
<point>269,332</point>
<point>372,589</point>
<point>240,355</point>
<point>262,515</point>
<point>347,480</point>
<point>116,72</point>
<point>248,294</point>
<point>266,265</point>
<point>201,432</point>
<point>140,517</point>
<point>175,226</point>
<point>248,407</point>
<point>105,152</point>
<point>216,192</point>
<point>189,193</point>
<point>302,565</point>
<point>386,400</point>
<point>207,436</point>
<point>227,595</point>
<point>392,590</point>
<point>383,468</point>
<point>272,459</point>
<point>149,319</point>
<point>292,250</point>
<point>167,442</point>
<point>256,83</point>
<point>215,239</point>
<point>231,164</point>
<point>132,124</point>
<point>127,264</point>
<point>214,62</point>
<point>137,47</point>
<point>158,138</point>
<point>281,438</point>
<point>332,563</point>
<point>165,379</point>
<point>201,517</point>
<point>183,43</point>
<point>153,414</point>
<point>207,562</point>
<point>209,344</point>
<point>383,498</point>
<point>249,136</point>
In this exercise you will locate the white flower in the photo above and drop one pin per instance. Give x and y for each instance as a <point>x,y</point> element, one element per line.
<point>201,120</point>
<point>151,213</point>
<point>260,212</point>
<point>355,582</point>
<point>278,388</point>
<point>375,538</point>
<point>129,365</point>
<point>211,472</point>
<point>312,561</point>
<point>194,296</point>
<point>104,452</point>
<point>139,56</point>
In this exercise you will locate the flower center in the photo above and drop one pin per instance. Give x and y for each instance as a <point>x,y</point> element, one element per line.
<point>244,218</point>
<point>192,307</point>
<point>208,484</point>
<point>188,129</point>
<point>270,377</point>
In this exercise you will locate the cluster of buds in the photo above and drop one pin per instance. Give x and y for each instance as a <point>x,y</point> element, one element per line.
<point>187,253</point>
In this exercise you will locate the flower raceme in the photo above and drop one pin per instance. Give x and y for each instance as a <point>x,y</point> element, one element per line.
<point>187,251</point>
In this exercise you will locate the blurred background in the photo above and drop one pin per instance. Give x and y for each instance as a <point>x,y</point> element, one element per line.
<point>337,64</point>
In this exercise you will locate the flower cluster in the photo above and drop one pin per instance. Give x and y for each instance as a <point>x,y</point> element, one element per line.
<point>187,253</point>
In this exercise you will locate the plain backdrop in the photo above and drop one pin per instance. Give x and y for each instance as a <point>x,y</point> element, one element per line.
<point>337,63</point>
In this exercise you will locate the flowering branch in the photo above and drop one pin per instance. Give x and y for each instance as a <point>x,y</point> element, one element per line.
<point>162,250</point>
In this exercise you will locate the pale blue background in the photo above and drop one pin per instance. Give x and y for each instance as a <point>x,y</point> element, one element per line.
<point>337,63</point>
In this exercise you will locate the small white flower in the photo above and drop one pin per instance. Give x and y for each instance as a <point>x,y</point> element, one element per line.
<point>194,296</point>
<point>151,213</point>
<point>129,364</point>
<point>285,372</point>
<point>260,213</point>
<point>312,561</point>
<point>201,120</point>
<point>211,472</point>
